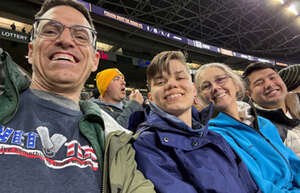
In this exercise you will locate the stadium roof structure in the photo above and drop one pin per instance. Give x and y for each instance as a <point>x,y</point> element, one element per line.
<point>261,28</point>
<point>235,32</point>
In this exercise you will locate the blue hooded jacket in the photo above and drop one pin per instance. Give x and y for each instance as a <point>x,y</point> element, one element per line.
<point>273,166</point>
<point>177,158</point>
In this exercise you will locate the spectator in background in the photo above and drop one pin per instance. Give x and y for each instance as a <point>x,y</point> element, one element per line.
<point>23,30</point>
<point>268,92</point>
<point>111,85</point>
<point>85,94</point>
<point>13,26</point>
<point>96,93</point>
<point>175,150</point>
<point>273,166</point>
<point>291,77</point>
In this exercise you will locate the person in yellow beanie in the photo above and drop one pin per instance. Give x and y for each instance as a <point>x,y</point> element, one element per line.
<point>111,85</point>
<point>104,78</point>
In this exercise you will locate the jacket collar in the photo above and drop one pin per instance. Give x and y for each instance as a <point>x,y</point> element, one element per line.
<point>166,122</point>
<point>91,125</point>
<point>223,120</point>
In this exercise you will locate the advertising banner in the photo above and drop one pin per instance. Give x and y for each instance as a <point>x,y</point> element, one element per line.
<point>14,35</point>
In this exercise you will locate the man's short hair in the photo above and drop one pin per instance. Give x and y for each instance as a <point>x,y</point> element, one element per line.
<point>255,67</point>
<point>161,63</point>
<point>48,4</point>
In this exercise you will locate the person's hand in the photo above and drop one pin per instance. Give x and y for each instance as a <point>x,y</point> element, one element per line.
<point>136,96</point>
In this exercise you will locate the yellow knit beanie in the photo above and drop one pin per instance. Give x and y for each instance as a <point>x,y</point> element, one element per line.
<point>104,78</point>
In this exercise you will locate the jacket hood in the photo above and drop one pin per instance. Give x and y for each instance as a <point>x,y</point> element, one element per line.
<point>161,120</point>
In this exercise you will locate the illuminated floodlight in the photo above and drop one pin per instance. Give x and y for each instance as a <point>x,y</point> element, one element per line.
<point>293,9</point>
<point>281,1</point>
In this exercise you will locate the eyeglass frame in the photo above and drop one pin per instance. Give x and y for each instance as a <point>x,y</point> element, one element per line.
<point>36,24</point>
<point>224,76</point>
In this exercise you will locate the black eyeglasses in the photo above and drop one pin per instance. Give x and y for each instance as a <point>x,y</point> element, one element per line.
<point>51,29</point>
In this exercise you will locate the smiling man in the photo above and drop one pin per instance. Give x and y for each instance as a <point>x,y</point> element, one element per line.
<point>62,52</point>
<point>175,150</point>
<point>44,127</point>
<point>268,92</point>
<point>49,140</point>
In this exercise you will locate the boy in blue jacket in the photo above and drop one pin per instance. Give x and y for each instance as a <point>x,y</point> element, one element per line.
<point>175,150</point>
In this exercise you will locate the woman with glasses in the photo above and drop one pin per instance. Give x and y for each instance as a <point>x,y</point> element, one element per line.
<point>273,166</point>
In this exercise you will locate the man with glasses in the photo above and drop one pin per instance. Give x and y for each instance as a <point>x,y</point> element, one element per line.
<point>49,140</point>
<point>111,85</point>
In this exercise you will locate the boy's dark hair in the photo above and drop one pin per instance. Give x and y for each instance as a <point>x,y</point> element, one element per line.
<point>161,63</point>
<point>254,67</point>
<point>48,4</point>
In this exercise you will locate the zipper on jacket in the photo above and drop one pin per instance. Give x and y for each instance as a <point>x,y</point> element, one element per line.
<point>105,169</point>
<point>277,151</point>
<point>256,128</point>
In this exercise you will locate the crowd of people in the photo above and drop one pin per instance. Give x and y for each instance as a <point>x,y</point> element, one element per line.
<point>51,141</point>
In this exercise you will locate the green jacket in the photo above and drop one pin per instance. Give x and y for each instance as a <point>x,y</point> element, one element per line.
<point>120,174</point>
<point>119,159</point>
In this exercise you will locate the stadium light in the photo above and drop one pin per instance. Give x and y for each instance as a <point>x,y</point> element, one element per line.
<point>281,1</point>
<point>293,9</point>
